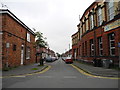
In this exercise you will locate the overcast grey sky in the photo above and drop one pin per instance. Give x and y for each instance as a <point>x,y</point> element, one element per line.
<point>56,19</point>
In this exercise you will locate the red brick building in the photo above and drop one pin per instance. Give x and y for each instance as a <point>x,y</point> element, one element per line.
<point>68,53</point>
<point>18,41</point>
<point>75,46</point>
<point>45,52</point>
<point>98,33</point>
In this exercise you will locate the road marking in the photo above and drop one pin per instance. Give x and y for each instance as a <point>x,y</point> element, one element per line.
<point>24,75</point>
<point>87,74</point>
<point>69,77</point>
<point>20,76</point>
<point>45,77</point>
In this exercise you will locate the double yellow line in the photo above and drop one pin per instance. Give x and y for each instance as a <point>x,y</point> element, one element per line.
<point>87,74</point>
<point>24,75</point>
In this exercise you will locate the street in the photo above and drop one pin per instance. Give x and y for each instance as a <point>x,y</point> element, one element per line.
<point>60,75</point>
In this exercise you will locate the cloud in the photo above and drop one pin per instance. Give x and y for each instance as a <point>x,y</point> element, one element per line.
<point>56,19</point>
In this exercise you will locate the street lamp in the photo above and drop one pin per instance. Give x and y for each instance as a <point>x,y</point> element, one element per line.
<point>69,50</point>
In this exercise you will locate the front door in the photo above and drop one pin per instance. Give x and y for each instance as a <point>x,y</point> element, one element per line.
<point>22,54</point>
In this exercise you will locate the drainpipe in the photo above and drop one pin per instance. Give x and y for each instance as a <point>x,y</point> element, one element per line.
<point>94,37</point>
<point>69,50</point>
<point>24,59</point>
<point>119,53</point>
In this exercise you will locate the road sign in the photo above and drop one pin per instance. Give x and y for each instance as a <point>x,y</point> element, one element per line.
<point>119,44</point>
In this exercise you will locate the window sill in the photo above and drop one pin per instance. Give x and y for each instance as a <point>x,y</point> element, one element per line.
<point>27,58</point>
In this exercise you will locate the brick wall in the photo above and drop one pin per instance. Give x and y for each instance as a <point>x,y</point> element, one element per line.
<point>98,31</point>
<point>106,53</point>
<point>15,34</point>
<point>0,41</point>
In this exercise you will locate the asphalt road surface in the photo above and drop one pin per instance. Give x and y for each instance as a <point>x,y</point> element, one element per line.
<point>60,75</point>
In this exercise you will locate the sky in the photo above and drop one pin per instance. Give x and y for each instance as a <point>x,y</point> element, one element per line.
<point>56,19</point>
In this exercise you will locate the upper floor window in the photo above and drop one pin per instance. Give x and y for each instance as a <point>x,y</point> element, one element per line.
<point>28,37</point>
<point>99,16</point>
<point>91,21</point>
<point>111,10</point>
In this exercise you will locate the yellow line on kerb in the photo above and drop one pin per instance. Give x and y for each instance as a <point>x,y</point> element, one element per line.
<point>87,74</point>
<point>45,70</point>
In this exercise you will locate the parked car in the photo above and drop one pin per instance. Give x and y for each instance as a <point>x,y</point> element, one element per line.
<point>68,60</point>
<point>53,58</point>
<point>49,59</point>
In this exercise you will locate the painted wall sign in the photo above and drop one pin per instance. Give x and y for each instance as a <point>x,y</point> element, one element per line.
<point>112,25</point>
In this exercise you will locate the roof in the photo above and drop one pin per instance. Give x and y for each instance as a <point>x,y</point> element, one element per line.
<point>6,11</point>
<point>75,34</point>
<point>88,9</point>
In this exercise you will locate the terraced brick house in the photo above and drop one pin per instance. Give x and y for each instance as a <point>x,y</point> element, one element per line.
<point>17,41</point>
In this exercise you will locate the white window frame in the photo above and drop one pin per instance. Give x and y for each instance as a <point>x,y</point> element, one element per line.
<point>99,16</point>
<point>110,42</point>
<point>28,53</point>
<point>91,21</point>
<point>92,47</point>
<point>28,37</point>
<point>111,11</point>
<point>100,43</point>
<point>1,32</point>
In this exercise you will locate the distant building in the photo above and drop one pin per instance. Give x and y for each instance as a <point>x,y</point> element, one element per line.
<point>98,33</point>
<point>18,41</point>
<point>44,51</point>
<point>75,39</point>
<point>67,53</point>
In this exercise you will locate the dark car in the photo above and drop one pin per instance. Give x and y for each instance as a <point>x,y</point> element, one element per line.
<point>49,59</point>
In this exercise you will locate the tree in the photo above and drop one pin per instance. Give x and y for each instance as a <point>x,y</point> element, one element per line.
<point>40,40</point>
<point>41,43</point>
<point>58,54</point>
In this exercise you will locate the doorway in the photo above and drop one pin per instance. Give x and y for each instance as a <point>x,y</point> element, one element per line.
<point>22,54</point>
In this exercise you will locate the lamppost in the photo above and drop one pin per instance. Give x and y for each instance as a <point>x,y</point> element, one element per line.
<point>69,50</point>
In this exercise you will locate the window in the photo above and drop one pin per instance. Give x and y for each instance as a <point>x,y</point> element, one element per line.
<point>111,10</point>
<point>28,37</point>
<point>91,47</point>
<point>14,47</point>
<point>83,27</point>
<point>1,32</point>
<point>91,22</point>
<point>28,53</point>
<point>112,44</point>
<point>100,46</point>
<point>7,45</point>
<point>99,16</point>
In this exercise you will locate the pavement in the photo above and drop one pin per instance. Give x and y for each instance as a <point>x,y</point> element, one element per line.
<point>98,71</point>
<point>25,69</point>
<point>60,75</point>
<point>28,69</point>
